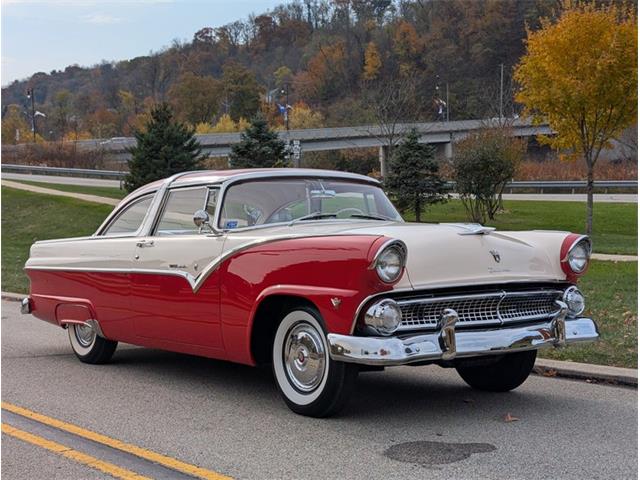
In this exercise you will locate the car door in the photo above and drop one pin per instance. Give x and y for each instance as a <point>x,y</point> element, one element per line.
<point>175,297</point>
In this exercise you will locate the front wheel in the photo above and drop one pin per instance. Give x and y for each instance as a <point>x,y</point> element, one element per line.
<point>310,382</point>
<point>88,346</point>
<point>506,374</point>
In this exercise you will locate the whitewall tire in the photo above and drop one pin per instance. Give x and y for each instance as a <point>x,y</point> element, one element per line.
<point>309,381</point>
<point>88,346</point>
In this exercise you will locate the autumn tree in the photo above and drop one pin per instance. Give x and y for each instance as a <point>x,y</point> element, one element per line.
<point>259,147</point>
<point>15,126</point>
<point>372,62</point>
<point>241,91</point>
<point>195,98</point>
<point>302,116</point>
<point>413,181</point>
<point>164,148</point>
<point>580,74</point>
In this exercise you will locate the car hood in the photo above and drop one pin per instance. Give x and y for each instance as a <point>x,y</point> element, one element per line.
<point>442,255</point>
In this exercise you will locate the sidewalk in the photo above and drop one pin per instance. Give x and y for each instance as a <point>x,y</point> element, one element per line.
<point>614,258</point>
<point>50,191</point>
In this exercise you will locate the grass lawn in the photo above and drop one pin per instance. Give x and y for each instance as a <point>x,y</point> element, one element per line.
<point>27,217</point>
<point>614,224</point>
<point>611,290</point>
<point>111,192</point>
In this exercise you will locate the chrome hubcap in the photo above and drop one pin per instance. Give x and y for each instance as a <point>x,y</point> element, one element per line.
<point>84,334</point>
<point>304,357</point>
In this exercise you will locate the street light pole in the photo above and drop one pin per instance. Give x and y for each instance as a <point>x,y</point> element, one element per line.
<point>447,101</point>
<point>501,88</point>
<point>33,113</point>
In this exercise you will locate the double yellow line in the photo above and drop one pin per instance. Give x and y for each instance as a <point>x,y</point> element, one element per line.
<point>88,460</point>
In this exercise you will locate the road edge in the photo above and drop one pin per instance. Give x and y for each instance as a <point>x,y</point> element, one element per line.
<point>586,371</point>
<point>544,366</point>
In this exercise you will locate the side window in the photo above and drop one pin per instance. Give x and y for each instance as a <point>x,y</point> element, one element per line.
<point>177,216</point>
<point>130,219</point>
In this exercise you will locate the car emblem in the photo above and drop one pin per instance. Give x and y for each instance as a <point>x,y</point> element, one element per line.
<point>496,255</point>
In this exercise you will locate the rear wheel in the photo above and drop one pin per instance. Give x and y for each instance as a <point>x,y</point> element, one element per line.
<point>88,346</point>
<point>506,374</point>
<point>310,382</point>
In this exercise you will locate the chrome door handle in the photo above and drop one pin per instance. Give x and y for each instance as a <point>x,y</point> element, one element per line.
<point>144,244</point>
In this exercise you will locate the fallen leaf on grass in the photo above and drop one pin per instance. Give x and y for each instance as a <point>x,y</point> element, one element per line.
<point>510,418</point>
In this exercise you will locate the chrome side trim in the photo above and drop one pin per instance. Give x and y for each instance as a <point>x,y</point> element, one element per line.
<point>194,281</point>
<point>94,324</point>
<point>390,351</point>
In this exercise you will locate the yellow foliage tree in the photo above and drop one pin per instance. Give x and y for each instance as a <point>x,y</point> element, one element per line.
<point>580,74</point>
<point>15,126</point>
<point>372,62</point>
<point>224,124</point>
<point>301,116</point>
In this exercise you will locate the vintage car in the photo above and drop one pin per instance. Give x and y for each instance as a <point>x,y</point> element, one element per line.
<point>316,273</point>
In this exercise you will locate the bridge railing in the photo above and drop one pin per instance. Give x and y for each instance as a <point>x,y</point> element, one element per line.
<point>537,185</point>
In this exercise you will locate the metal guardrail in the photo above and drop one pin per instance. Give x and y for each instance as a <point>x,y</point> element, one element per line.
<point>64,172</point>
<point>540,185</point>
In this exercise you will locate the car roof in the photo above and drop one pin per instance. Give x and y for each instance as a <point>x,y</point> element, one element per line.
<point>224,176</point>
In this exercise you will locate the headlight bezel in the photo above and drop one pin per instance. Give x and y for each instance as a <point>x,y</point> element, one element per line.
<point>572,244</point>
<point>379,263</point>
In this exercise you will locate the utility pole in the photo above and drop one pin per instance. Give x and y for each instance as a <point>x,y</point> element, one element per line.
<point>285,91</point>
<point>447,87</point>
<point>33,113</point>
<point>501,89</point>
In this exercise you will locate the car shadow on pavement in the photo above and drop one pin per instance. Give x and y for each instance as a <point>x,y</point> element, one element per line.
<point>404,394</point>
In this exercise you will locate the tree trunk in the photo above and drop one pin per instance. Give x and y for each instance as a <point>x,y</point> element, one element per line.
<point>417,209</point>
<point>589,226</point>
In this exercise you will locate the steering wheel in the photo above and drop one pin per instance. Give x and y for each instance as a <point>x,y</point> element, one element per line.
<point>349,209</point>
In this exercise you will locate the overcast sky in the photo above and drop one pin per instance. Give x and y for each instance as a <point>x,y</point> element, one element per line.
<point>45,35</point>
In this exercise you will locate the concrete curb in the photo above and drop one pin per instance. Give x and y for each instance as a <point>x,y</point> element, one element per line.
<point>13,297</point>
<point>543,366</point>
<point>586,371</point>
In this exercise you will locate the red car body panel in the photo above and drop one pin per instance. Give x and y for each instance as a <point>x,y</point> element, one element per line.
<point>163,311</point>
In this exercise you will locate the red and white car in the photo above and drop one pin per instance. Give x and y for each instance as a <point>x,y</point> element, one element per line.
<point>316,273</point>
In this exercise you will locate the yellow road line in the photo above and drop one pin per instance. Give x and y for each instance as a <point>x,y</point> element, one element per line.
<point>164,460</point>
<point>71,454</point>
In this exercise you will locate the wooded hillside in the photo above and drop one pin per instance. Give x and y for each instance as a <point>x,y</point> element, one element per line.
<point>340,60</point>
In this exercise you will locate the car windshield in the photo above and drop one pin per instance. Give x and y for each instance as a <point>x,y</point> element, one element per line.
<point>298,200</point>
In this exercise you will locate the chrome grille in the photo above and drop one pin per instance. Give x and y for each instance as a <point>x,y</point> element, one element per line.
<point>493,308</point>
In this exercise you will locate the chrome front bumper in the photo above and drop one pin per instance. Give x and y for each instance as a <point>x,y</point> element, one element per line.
<point>447,343</point>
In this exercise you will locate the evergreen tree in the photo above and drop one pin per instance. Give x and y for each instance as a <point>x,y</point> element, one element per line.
<point>413,181</point>
<point>259,147</point>
<point>165,147</point>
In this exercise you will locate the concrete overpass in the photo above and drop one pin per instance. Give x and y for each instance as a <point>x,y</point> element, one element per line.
<point>440,134</point>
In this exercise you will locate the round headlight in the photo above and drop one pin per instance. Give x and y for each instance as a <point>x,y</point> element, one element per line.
<point>574,300</point>
<point>384,316</point>
<point>390,262</point>
<point>578,256</point>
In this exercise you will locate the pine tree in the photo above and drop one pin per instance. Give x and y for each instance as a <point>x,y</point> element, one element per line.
<point>259,147</point>
<point>163,148</point>
<point>413,180</point>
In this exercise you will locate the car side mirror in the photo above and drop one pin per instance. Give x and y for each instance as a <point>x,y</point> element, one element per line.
<point>201,219</point>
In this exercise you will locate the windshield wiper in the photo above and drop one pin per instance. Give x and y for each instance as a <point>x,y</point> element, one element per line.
<point>312,216</point>
<point>371,216</point>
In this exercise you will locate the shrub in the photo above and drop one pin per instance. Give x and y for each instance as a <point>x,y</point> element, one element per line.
<point>484,162</point>
<point>413,181</point>
<point>259,147</point>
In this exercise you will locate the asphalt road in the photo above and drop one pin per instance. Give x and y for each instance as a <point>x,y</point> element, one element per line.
<point>407,422</point>
<point>551,197</point>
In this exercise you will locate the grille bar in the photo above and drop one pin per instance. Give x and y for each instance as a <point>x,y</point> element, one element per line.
<point>490,309</point>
